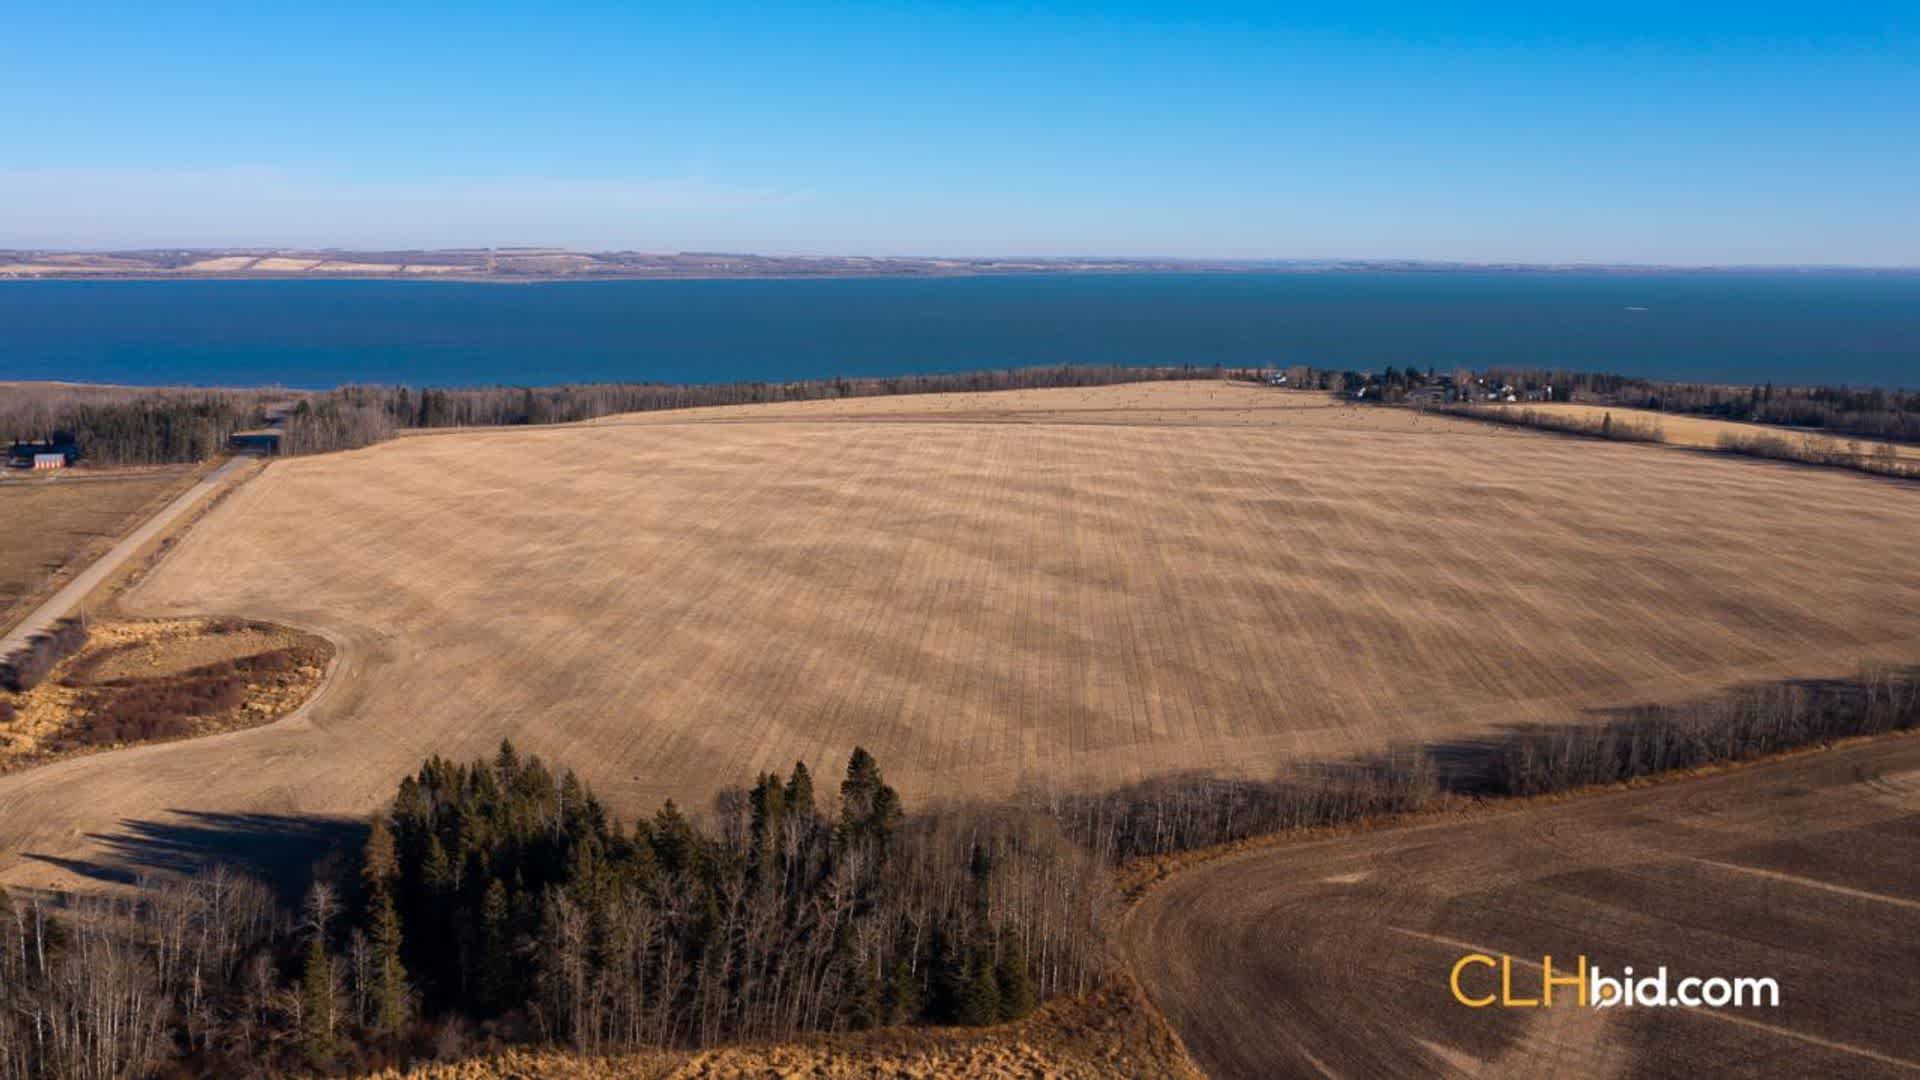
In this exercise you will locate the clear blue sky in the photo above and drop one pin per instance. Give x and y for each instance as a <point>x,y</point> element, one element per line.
<point>1677,132</point>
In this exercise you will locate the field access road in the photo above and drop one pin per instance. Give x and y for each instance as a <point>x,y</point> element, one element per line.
<point>62,603</point>
<point>1333,957</point>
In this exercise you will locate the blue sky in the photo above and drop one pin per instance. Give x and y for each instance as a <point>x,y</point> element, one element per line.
<point>1679,132</point>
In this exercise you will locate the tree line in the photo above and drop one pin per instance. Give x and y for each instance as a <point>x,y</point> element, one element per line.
<point>1892,415</point>
<point>1882,460</point>
<point>1874,413</point>
<point>1625,428</point>
<point>355,416</point>
<point>1746,723</point>
<point>121,426</point>
<point>1187,812</point>
<point>500,895</point>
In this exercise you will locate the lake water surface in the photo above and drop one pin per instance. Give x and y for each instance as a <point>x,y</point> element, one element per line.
<point>1798,327</point>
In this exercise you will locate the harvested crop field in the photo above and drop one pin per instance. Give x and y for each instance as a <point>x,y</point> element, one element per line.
<point>67,520</point>
<point>1335,956</point>
<point>989,591</point>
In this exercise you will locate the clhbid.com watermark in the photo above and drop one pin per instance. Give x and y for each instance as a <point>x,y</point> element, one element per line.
<point>1479,980</point>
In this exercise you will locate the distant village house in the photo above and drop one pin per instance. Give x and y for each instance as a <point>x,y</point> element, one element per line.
<point>41,456</point>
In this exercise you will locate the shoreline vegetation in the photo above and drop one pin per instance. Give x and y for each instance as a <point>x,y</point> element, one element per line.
<point>498,905</point>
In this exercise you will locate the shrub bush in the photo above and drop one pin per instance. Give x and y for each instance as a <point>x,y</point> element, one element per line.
<point>43,652</point>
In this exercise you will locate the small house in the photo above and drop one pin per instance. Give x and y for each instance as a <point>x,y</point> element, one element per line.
<point>42,455</point>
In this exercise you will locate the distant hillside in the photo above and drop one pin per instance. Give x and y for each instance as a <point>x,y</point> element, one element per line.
<point>536,263</point>
<point>531,264</point>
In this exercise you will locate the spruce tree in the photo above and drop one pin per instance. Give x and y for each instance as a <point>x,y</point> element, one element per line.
<point>980,997</point>
<point>869,809</point>
<point>437,870</point>
<point>800,792</point>
<point>319,989</point>
<point>858,790</point>
<point>769,802</point>
<point>379,862</point>
<point>496,972</point>
<point>317,1004</point>
<point>903,994</point>
<point>389,974</point>
<point>675,843</point>
<point>1017,996</point>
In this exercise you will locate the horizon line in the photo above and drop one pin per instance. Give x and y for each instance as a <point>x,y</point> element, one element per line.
<point>1068,259</point>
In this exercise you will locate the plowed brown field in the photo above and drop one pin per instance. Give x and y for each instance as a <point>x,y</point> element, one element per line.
<point>987,591</point>
<point>1333,958</point>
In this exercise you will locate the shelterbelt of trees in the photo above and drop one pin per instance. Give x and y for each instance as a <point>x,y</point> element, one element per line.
<point>130,426</point>
<point>1871,413</point>
<point>133,426</point>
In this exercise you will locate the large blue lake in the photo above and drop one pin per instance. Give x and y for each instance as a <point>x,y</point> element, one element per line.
<point>1804,327</point>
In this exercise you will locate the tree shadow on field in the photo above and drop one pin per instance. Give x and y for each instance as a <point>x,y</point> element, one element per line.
<point>280,849</point>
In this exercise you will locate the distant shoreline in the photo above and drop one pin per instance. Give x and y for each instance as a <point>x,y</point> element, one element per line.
<point>527,266</point>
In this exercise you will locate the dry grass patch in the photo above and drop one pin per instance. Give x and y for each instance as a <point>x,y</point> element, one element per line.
<point>139,681</point>
<point>282,264</point>
<point>221,264</point>
<point>334,267</point>
<point>1108,1034</point>
<point>61,523</point>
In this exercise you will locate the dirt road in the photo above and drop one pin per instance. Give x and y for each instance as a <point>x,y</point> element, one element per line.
<point>1333,958</point>
<point>64,602</point>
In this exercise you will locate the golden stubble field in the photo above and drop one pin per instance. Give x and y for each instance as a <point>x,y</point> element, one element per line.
<point>987,591</point>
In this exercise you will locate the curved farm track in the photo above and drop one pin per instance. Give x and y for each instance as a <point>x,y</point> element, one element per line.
<point>1332,957</point>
